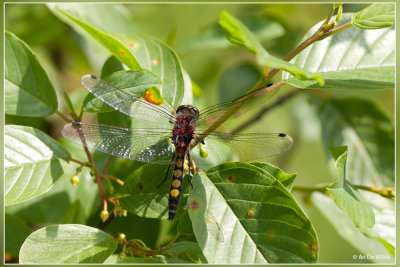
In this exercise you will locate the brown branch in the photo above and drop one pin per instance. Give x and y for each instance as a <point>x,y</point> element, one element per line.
<point>79,162</point>
<point>320,34</point>
<point>110,158</point>
<point>97,175</point>
<point>265,110</point>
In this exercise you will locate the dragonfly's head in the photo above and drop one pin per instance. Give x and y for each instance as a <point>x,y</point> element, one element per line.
<point>187,111</point>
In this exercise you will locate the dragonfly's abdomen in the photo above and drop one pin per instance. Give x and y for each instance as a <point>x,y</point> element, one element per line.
<point>176,184</point>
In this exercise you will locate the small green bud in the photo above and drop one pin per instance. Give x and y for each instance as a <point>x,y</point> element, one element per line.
<point>203,153</point>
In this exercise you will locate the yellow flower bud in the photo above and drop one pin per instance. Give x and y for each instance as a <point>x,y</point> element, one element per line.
<point>75,180</point>
<point>104,215</point>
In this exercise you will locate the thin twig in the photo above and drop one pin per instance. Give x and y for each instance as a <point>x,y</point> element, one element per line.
<point>79,162</point>
<point>110,158</point>
<point>97,175</point>
<point>63,116</point>
<point>150,252</point>
<point>384,192</point>
<point>320,34</point>
<point>265,110</point>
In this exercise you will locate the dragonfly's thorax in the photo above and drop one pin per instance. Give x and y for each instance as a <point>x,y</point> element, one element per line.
<point>185,125</point>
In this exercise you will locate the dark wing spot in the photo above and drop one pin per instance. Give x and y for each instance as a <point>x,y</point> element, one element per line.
<point>282,135</point>
<point>93,77</point>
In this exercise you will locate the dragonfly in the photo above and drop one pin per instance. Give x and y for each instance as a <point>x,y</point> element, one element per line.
<point>168,136</point>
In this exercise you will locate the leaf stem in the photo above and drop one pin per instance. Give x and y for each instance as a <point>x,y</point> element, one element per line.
<point>384,192</point>
<point>320,34</point>
<point>63,116</point>
<point>141,250</point>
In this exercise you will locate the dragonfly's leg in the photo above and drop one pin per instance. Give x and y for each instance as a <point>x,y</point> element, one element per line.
<point>189,160</point>
<point>166,174</point>
<point>199,140</point>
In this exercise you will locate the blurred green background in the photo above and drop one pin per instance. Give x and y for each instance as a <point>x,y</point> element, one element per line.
<point>220,73</point>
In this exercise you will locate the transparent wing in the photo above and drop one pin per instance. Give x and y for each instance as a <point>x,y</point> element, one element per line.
<point>248,101</point>
<point>125,102</point>
<point>222,147</point>
<point>213,227</point>
<point>146,145</point>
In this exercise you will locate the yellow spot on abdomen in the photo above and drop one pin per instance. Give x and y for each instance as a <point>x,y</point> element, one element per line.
<point>174,193</point>
<point>177,173</point>
<point>178,163</point>
<point>176,183</point>
<point>122,52</point>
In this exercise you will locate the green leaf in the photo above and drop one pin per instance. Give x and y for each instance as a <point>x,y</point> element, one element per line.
<point>351,59</point>
<point>115,18</point>
<point>213,36</point>
<point>384,229</point>
<point>33,163</point>
<point>111,65</point>
<point>369,133</point>
<point>188,251</point>
<point>185,224</point>
<point>336,5</point>
<point>36,211</point>
<point>346,196</point>
<point>189,89</point>
<point>140,194</point>
<point>162,60</point>
<point>75,214</point>
<point>348,231</point>
<point>107,18</point>
<point>375,16</point>
<point>136,82</point>
<point>28,91</point>
<point>141,51</point>
<point>287,180</point>
<point>141,260</point>
<point>115,46</point>
<point>113,259</point>
<point>238,34</point>
<point>16,231</point>
<point>241,215</point>
<point>114,117</point>
<point>68,243</point>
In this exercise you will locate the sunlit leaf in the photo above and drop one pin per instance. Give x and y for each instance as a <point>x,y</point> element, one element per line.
<point>162,60</point>
<point>369,134</point>
<point>33,163</point>
<point>135,82</point>
<point>28,91</point>
<point>213,36</point>
<point>375,16</point>
<point>258,218</point>
<point>115,46</point>
<point>351,59</point>
<point>348,231</point>
<point>346,196</point>
<point>238,34</point>
<point>68,243</point>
